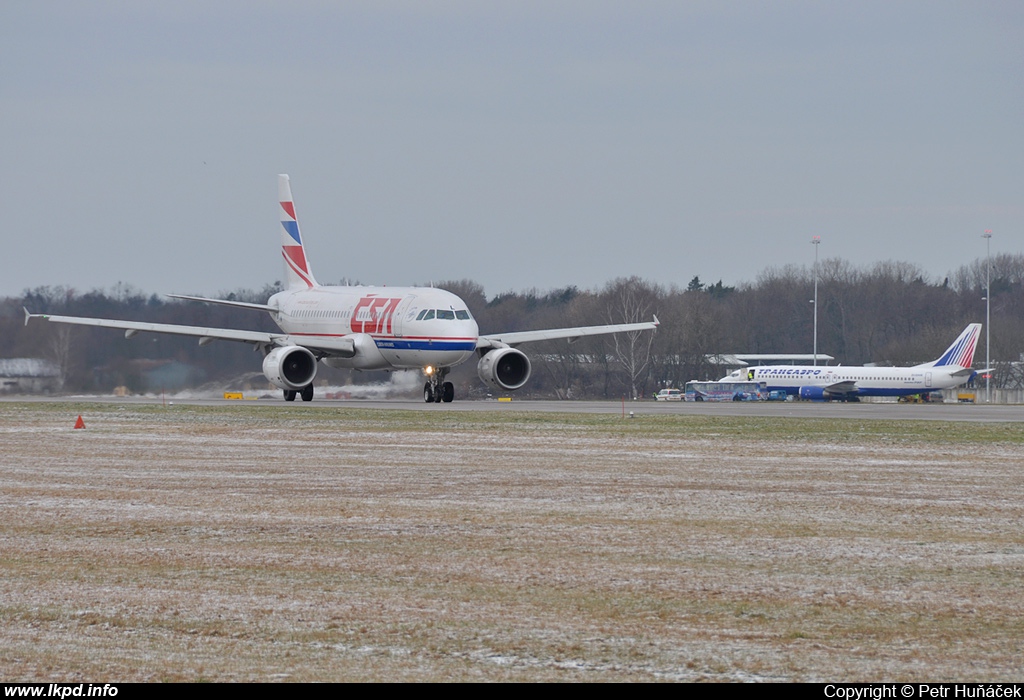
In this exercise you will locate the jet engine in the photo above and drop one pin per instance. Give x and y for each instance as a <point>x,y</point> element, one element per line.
<point>814,393</point>
<point>290,367</point>
<point>504,368</point>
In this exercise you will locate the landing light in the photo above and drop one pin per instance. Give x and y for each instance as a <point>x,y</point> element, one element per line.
<point>428,370</point>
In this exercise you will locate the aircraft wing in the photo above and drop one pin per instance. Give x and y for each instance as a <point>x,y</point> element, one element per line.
<point>497,340</point>
<point>841,388</point>
<point>344,347</point>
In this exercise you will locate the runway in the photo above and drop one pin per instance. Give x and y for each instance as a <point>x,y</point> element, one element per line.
<point>888,411</point>
<point>789,409</point>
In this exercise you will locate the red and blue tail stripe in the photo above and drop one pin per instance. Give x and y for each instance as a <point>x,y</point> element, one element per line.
<point>296,267</point>
<point>961,352</point>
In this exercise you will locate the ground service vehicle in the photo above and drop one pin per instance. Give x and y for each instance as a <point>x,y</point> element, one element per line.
<point>726,391</point>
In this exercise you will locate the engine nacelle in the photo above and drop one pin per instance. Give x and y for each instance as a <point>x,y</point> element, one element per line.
<point>505,368</point>
<point>290,367</point>
<point>813,393</point>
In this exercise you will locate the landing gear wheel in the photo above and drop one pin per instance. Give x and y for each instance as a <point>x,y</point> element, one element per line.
<point>437,389</point>
<point>289,395</point>
<point>307,392</point>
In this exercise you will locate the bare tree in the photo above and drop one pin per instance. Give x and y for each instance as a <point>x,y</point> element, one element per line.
<point>632,300</point>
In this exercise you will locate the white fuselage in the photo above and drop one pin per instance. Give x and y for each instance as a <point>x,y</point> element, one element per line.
<point>393,327</point>
<point>863,381</point>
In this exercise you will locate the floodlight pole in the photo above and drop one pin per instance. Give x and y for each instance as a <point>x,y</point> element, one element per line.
<point>988,313</point>
<point>816,241</point>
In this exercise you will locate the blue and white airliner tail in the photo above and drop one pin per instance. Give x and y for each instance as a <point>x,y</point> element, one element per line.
<point>820,383</point>
<point>364,328</point>
<point>961,352</point>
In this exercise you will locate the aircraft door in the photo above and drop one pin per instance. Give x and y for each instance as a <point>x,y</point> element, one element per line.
<point>404,307</point>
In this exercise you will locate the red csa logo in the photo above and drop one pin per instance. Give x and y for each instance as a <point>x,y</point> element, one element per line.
<point>373,315</point>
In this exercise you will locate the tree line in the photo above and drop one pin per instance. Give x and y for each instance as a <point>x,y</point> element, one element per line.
<point>890,313</point>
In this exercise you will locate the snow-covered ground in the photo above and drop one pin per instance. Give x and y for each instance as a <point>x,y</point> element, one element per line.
<point>250,542</point>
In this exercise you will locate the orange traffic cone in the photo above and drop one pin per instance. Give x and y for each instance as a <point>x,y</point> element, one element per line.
<point>79,423</point>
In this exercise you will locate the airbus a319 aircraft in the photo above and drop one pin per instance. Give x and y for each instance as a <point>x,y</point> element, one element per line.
<point>365,328</point>
<point>822,383</point>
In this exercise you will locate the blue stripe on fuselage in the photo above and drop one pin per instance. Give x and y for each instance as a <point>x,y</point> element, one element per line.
<point>435,345</point>
<point>859,391</point>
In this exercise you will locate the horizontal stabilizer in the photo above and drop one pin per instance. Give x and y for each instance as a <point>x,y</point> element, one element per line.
<point>225,302</point>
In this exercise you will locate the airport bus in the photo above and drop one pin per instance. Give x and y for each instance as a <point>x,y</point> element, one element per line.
<point>726,391</point>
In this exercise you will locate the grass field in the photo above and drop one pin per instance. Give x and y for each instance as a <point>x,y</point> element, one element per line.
<point>258,542</point>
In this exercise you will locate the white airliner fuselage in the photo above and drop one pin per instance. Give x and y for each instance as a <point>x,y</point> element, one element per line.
<point>953,368</point>
<point>411,327</point>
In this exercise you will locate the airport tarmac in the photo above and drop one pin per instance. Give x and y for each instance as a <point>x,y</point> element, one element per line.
<point>959,413</point>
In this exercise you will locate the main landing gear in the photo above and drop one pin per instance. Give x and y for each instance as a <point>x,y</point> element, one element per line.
<point>437,389</point>
<point>306,393</point>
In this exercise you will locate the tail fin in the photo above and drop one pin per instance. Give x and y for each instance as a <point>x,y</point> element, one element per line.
<point>296,268</point>
<point>961,352</point>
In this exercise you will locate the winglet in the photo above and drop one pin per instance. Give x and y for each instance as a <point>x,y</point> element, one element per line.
<point>29,314</point>
<point>656,321</point>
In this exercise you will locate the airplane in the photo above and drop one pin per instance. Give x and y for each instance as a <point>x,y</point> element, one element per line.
<point>824,383</point>
<point>363,328</point>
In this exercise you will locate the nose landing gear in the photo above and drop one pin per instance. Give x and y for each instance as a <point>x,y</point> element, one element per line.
<point>437,389</point>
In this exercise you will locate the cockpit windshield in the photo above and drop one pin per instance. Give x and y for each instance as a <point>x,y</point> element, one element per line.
<point>444,314</point>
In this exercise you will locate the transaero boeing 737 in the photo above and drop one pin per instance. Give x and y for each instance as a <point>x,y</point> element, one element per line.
<point>848,383</point>
<point>365,328</point>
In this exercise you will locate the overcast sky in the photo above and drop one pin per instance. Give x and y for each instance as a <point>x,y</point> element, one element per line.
<point>521,144</point>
